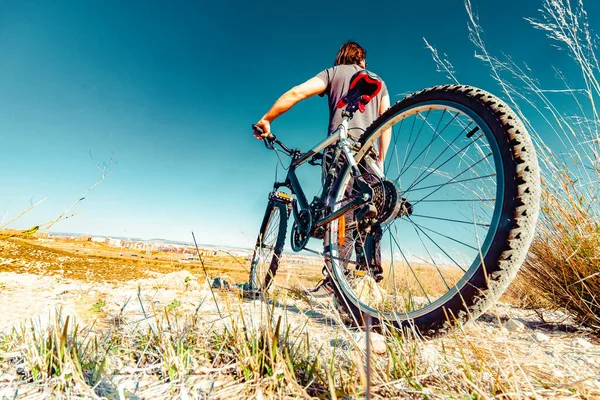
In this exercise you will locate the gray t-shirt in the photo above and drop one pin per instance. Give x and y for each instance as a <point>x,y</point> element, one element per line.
<point>337,80</point>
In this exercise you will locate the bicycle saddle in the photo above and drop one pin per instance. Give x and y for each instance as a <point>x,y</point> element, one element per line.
<point>363,87</point>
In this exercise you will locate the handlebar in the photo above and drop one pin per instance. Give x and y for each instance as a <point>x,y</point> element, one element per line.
<point>271,139</point>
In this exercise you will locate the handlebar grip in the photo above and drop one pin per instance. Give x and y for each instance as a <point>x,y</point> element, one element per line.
<point>269,140</point>
<point>258,129</point>
<point>270,137</point>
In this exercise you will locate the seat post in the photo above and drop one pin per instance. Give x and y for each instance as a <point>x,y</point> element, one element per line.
<point>346,146</point>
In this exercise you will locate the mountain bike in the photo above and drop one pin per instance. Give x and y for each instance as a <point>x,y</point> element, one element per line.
<point>454,208</point>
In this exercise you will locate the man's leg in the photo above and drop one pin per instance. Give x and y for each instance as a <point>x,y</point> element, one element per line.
<point>368,245</point>
<point>375,262</point>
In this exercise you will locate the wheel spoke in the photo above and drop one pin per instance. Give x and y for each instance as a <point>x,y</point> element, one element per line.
<point>441,249</point>
<point>452,200</point>
<point>431,257</point>
<point>392,270</point>
<point>428,146</point>
<point>408,147</point>
<point>450,220</point>
<point>450,182</point>
<point>433,137</point>
<point>265,252</point>
<point>411,269</point>
<point>445,236</point>
<point>445,162</point>
<point>456,176</point>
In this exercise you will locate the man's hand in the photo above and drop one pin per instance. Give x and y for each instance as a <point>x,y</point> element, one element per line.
<point>265,126</point>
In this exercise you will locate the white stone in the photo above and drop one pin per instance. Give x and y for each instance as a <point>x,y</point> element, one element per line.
<point>367,291</point>
<point>487,376</point>
<point>514,325</point>
<point>431,356</point>
<point>8,378</point>
<point>558,373</point>
<point>592,383</point>
<point>590,360</point>
<point>378,343</point>
<point>540,337</point>
<point>581,342</point>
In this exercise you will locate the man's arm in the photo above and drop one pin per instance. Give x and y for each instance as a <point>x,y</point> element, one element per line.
<point>288,100</point>
<point>386,137</point>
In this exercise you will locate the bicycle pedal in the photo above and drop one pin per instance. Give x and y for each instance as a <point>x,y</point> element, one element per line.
<point>360,273</point>
<point>282,196</point>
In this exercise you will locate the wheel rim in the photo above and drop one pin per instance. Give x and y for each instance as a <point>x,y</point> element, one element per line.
<point>422,267</point>
<point>265,252</point>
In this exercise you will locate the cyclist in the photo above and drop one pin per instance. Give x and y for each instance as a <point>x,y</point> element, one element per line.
<point>334,82</point>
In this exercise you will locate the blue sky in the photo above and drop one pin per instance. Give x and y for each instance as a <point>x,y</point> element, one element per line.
<point>172,87</point>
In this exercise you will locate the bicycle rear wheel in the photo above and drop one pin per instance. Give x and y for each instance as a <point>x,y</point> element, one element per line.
<point>268,248</point>
<point>457,208</point>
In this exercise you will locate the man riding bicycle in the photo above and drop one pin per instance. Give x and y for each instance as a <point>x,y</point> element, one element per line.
<point>335,82</point>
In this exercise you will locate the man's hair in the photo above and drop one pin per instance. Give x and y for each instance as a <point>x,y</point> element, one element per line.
<point>350,53</point>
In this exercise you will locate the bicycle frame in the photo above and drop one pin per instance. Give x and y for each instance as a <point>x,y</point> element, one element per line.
<point>341,137</point>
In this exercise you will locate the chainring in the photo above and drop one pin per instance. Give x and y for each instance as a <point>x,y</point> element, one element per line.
<point>301,230</point>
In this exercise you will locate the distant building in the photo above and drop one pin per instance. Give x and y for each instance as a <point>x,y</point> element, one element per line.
<point>98,239</point>
<point>115,242</point>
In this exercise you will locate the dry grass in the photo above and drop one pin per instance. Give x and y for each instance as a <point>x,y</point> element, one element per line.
<point>99,262</point>
<point>564,264</point>
<point>563,269</point>
<point>264,356</point>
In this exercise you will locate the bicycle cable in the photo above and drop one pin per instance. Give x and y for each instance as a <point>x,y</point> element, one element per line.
<point>280,162</point>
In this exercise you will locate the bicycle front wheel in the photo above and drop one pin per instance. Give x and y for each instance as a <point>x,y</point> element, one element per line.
<point>456,211</point>
<point>268,248</point>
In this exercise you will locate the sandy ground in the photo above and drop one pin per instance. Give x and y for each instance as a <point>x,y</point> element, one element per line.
<point>32,290</point>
